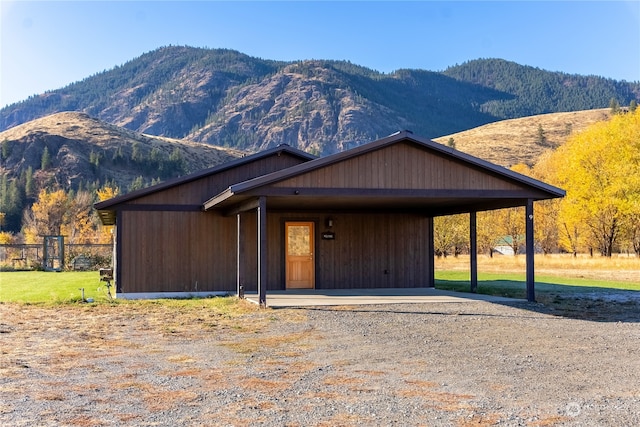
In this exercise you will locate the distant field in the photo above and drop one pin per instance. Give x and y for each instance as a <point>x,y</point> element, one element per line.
<point>617,271</point>
<point>556,276</point>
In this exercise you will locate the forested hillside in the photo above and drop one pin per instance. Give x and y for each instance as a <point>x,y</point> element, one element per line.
<point>535,91</point>
<point>224,97</point>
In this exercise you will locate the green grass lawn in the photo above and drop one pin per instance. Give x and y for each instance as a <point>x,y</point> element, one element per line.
<point>51,287</point>
<point>38,287</point>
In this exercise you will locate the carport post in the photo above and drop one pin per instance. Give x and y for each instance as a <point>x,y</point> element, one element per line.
<point>473,250</point>
<point>240,260</point>
<point>530,247</point>
<point>262,251</point>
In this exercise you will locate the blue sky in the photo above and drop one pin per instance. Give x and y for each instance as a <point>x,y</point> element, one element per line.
<point>45,45</point>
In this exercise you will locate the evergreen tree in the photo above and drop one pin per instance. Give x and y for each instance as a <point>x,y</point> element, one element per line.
<point>614,106</point>
<point>45,161</point>
<point>541,136</point>
<point>5,151</point>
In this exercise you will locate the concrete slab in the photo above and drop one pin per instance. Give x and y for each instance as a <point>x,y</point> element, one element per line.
<point>329,297</point>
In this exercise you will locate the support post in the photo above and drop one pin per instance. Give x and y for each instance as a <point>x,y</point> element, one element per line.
<point>473,251</point>
<point>117,252</point>
<point>240,260</point>
<point>530,248</point>
<point>431,280</point>
<point>262,251</point>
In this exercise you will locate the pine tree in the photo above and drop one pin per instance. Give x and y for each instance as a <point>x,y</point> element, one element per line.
<point>45,161</point>
<point>541,138</point>
<point>6,150</point>
<point>614,106</point>
<point>29,186</point>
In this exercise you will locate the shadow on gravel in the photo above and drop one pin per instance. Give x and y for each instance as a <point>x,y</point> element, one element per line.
<point>575,302</point>
<point>395,309</point>
<point>571,308</point>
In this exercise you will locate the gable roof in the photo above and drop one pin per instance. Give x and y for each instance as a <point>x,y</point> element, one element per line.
<point>106,207</point>
<point>523,187</point>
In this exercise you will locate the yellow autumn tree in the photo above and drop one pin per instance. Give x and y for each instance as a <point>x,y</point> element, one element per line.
<point>488,234</point>
<point>81,226</point>
<point>107,192</point>
<point>46,216</point>
<point>105,233</point>
<point>600,170</point>
<point>450,234</point>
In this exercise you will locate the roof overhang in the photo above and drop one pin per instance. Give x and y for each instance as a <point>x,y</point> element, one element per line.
<point>428,202</point>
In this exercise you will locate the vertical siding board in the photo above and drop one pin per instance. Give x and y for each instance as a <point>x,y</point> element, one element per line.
<point>374,170</point>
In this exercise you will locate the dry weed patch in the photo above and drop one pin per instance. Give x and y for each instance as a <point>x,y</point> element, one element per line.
<point>344,419</point>
<point>160,400</point>
<point>86,421</point>
<point>440,400</point>
<point>194,372</point>
<point>128,417</point>
<point>246,345</point>
<point>230,414</point>
<point>370,373</point>
<point>49,395</point>
<point>181,358</point>
<point>343,381</point>
<point>549,421</point>
<point>262,385</point>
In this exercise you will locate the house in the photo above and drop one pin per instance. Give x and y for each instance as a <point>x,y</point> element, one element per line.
<point>283,219</point>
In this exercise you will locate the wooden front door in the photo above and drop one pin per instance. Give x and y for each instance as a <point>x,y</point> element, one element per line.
<point>300,264</point>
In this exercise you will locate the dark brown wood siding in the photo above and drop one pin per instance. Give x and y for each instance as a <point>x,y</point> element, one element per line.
<point>198,191</point>
<point>400,166</point>
<point>369,250</point>
<point>177,252</point>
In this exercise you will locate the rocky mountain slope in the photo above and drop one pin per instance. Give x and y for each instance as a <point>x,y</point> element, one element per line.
<point>82,150</point>
<point>227,98</point>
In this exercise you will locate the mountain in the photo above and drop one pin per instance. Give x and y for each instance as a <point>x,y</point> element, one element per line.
<point>74,151</point>
<point>82,150</point>
<point>224,97</point>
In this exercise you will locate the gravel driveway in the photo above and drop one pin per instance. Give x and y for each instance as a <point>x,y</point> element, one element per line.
<point>433,364</point>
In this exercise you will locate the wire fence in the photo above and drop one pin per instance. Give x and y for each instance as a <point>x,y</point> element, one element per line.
<point>78,257</point>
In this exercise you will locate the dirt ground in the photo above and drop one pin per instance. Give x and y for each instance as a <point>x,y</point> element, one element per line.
<point>571,362</point>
